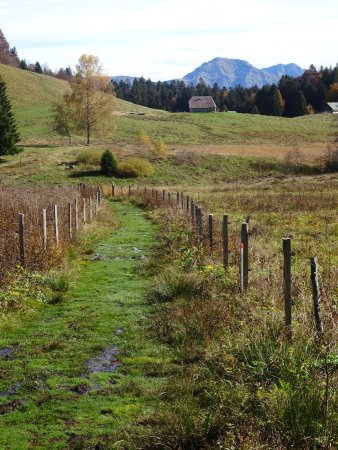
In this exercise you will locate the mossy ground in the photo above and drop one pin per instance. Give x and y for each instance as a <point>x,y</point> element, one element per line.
<point>55,402</point>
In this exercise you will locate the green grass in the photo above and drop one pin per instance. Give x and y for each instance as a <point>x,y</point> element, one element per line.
<point>58,404</point>
<point>187,129</point>
<point>49,165</point>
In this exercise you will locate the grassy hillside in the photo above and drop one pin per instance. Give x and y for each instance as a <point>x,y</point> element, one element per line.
<point>32,96</point>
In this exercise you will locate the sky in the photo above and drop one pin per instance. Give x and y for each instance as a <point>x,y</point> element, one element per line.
<point>166,39</point>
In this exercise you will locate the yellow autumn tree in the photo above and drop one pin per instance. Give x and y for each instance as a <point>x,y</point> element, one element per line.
<point>91,102</point>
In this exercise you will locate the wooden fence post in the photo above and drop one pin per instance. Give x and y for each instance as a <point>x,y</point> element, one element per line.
<point>76,214</point>
<point>316,296</point>
<point>70,231</point>
<point>96,206</point>
<point>200,223</point>
<point>22,239</point>
<point>90,208</point>
<point>177,199</point>
<point>56,225</point>
<point>211,231</point>
<point>225,242</point>
<point>84,210</point>
<point>129,190</point>
<point>245,256</point>
<point>196,218</point>
<point>113,190</point>
<point>163,196</point>
<point>287,285</point>
<point>188,203</point>
<point>44,228</point>
<point>192,210</point>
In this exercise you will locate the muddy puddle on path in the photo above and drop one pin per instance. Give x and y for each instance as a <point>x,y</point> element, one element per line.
<point>106,361</point>
<point>6,352</point>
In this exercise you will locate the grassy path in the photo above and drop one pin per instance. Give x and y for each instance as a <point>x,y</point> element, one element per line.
<point>82,373</point>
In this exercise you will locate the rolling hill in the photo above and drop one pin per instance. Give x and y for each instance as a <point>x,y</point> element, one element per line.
<point>32,97</point>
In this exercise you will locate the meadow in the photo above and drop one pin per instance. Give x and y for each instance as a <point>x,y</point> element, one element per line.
<point>235,381</point>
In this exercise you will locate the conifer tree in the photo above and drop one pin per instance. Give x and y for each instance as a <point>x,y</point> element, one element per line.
<point>9,135</point>
<point>37,67</point>
<point>108,163</point>
<point>299,106</point>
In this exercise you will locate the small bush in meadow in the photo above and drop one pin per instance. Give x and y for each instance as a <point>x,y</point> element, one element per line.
<point>159,149</point>
<point>134,167</point>
<point>108,163</point>
<point>90,157</point>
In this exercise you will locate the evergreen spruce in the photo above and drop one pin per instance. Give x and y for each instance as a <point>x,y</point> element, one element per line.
<point>37,67</point>
<point>275,101</point>
<point>9,135</point>
<point>300,105</point>
<point>108,163</point>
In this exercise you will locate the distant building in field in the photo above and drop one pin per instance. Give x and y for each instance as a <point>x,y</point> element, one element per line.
<point>202,104</point>
<point>333,107</point>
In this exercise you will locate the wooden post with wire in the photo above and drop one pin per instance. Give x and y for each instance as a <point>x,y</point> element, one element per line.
<point>70,220</point>
<point>44,228</point>
<point>225,241</point>
<point>244,257</point>
<point>211,231</point>
<point>56,224</point>
<point>22,239</point>
<point>287,285</point>
<point>76,214</point>
<point>316,296</point>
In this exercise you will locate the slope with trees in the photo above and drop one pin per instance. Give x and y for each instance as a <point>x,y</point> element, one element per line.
<point>9,136</point>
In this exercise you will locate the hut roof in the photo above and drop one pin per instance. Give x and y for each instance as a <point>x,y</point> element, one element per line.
<point>333,106</point>
<point>202,102</point>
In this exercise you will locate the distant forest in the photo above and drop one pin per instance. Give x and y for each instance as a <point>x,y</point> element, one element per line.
<point>292,97</point>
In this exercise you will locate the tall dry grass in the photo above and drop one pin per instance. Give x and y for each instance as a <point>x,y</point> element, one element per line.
<point>242,383</point>
<point>30,200</point>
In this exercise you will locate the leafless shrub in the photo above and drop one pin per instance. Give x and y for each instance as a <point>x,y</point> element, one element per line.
<point>189,158</point>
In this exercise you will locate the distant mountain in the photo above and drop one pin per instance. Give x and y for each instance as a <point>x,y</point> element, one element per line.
<point>232,72</point>
<point>285,69</point>
<point>125,78</point>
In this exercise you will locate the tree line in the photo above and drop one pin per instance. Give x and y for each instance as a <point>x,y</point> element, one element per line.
<point>9,56</point>
<point>293,96</point>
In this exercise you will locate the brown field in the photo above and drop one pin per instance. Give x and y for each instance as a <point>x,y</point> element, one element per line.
<point>309,153</point>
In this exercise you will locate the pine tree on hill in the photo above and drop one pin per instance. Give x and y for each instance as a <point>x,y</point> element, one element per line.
<point>9,135</point>
<point>37,67</point>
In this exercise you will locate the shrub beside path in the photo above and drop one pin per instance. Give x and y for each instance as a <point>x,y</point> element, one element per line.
<point>82,373</point>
